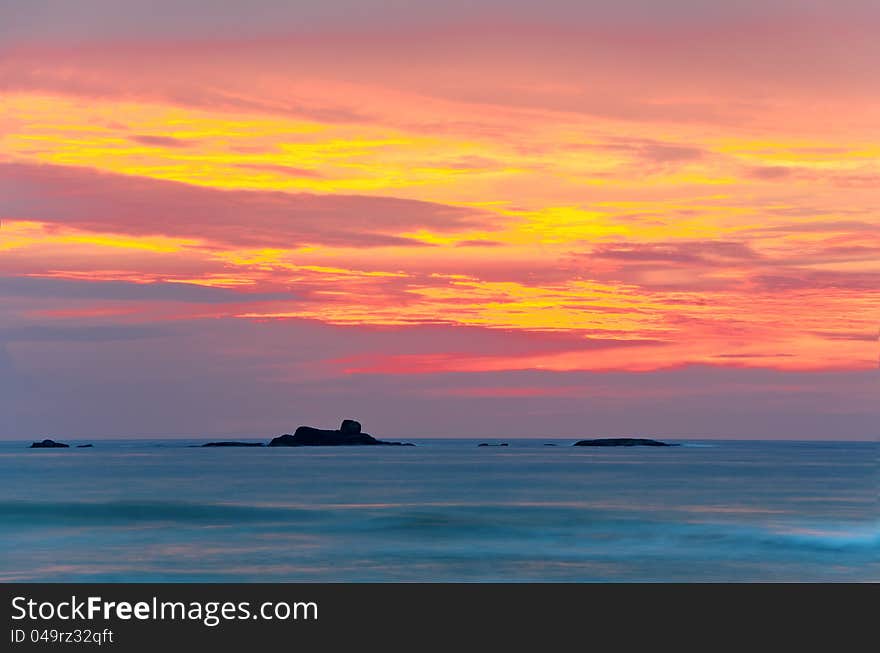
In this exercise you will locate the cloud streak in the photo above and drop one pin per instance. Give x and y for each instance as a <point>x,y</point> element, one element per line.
<point>142,207</point>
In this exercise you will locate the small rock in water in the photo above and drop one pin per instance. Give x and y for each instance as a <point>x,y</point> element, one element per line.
<point>49,444</point>
<point>348,434</point>
<point>233,444</point>
<point>622,442</point>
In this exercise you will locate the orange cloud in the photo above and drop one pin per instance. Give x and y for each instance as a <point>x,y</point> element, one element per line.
<point>678,210</point>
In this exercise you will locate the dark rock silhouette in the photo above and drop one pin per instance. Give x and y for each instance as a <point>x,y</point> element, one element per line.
<point>226,443</point>
<point>622,442</point>
<point>84,446</point>
<point>486,444</point>
<point>549,444</point>
<point>348,434</point>
<point>49,444</point>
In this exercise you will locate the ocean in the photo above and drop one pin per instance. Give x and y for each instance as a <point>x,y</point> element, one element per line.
<point>445,510</point>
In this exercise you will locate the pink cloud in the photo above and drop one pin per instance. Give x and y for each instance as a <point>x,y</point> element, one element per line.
<point>160,141</point>
<point>140,206</point>
<point>626,71</point>
<point>465,361</point>
<point>288,171</point>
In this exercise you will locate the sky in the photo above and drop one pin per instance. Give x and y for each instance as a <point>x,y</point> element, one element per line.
<point>486,219</point>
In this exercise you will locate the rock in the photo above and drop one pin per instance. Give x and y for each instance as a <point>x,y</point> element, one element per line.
<point>349,434</point>
<point>486,444</point>
<point>49,444</point>
<point>549,444</point>
<point>84,446</point>
<point>622,442</point>
<point>233,444</point>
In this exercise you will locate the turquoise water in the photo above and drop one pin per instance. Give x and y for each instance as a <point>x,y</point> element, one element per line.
<point>442,511</point>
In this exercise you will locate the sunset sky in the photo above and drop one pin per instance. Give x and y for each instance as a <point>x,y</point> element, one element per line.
<point>501,218</point>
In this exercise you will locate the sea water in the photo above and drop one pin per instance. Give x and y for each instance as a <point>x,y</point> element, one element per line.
<point>445,510</point>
